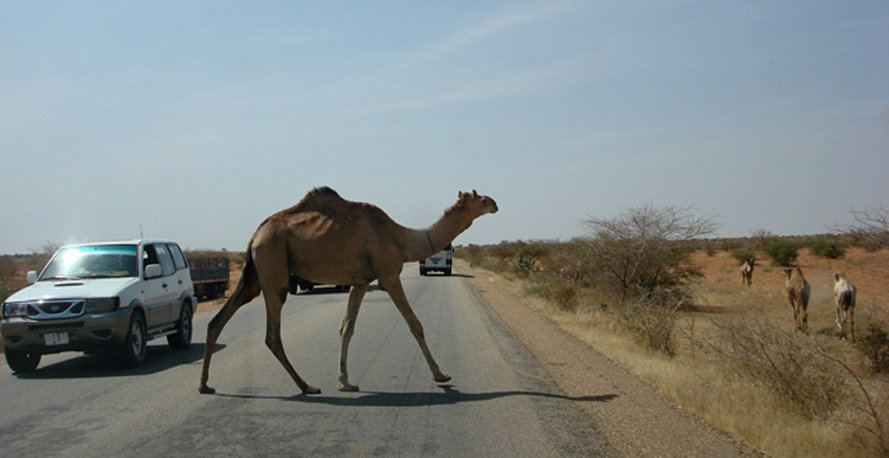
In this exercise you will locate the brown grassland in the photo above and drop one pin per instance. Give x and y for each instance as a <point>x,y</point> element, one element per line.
<point>738,359</point>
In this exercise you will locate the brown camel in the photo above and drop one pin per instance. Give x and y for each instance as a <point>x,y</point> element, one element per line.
<point>326,239</point>
<point>797,289</point>
<point>844,296</point>
<point>747,271</point>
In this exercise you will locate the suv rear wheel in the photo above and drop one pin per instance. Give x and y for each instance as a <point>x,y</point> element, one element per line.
<point>135,346</point>
<point>182,338</point>
<point>22,361</point>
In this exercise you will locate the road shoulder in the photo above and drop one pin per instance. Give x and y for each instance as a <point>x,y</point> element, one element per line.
<point>637,420</point>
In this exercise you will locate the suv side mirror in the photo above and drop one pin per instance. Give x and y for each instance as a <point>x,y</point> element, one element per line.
<point>153,271</point>
<point>32,276</point>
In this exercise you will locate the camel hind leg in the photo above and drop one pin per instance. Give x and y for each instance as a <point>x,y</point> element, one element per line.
<point>245,290</point>
<point>274,279</point>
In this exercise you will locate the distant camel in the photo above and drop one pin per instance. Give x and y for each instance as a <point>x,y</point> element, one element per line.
<point>797,289</point>
<point>747,271</point>
<point>326,239</point>
<point>844,296</point>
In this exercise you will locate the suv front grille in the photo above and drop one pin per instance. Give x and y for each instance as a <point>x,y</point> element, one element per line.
<point>53,310</point>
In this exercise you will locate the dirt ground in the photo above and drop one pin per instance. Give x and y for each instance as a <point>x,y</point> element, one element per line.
<point>637,420</point>
<point>720,289</point>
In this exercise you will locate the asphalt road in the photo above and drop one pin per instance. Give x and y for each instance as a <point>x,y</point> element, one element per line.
<point>499,402</point>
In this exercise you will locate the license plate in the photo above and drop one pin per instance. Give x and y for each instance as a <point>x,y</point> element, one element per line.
<point>55,338</point>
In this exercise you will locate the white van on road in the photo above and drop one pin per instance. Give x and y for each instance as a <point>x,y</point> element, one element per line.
<point>439,262</point>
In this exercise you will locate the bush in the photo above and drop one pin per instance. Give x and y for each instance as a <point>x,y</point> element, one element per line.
<point>874,344</point>
<point>830,249</point>
<point>743,253</point>
<point>793,366</point>
<point>558,291</point>
<point>646,249</point>
<point>782,252</point>
<point>4,291</point>
<point>652,325</point>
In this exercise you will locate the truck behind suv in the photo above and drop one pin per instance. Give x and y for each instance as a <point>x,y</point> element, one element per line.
<point>108,296</point>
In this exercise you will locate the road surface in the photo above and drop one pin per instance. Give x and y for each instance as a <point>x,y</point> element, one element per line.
<point>499,402</point>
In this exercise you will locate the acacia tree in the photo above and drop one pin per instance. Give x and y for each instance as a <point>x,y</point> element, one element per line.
<point>646,250</point>
<point>870,229</point>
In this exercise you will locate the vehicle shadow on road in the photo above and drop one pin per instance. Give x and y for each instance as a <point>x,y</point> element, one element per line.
<point>449,396</point>
<point>158,359</point>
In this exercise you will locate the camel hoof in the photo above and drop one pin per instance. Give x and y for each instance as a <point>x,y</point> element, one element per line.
<point>311,390</point>
<point>204,389</point>
<point>441,378</point>
<point>346,387</point>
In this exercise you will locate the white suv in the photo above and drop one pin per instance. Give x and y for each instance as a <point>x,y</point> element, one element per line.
<point>101,296</point>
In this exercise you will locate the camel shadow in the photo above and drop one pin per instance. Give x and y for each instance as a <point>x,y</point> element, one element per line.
<point>449,396</point>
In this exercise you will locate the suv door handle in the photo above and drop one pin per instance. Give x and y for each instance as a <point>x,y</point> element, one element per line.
<point>164,285</point>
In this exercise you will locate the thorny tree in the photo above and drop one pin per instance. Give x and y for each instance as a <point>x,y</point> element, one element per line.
<point>646,250</point>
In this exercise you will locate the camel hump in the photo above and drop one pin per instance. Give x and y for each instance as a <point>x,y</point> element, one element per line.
<point>322,198</point>
<point>322,191</point>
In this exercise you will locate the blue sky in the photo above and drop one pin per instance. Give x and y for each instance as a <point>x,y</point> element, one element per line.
<point>199,119</point>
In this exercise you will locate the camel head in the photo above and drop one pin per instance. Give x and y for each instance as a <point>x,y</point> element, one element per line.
<point>477,204</point>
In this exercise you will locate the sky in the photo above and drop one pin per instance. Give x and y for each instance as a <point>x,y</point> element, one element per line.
<point>193,121</point>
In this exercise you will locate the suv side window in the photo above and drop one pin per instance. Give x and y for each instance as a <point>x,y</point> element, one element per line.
<point>154,254</point>
<point>178,258</point>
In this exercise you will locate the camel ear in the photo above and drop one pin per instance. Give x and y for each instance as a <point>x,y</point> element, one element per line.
<point>459,194</point>
<point>474,194</point>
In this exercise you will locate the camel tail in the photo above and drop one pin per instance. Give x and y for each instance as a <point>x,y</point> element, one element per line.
<point>246,289</point>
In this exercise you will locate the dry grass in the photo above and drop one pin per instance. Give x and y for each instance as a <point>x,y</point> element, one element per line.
<point>852,412</point>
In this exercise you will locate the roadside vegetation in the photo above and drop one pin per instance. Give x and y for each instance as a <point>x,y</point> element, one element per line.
<point>652,293</point>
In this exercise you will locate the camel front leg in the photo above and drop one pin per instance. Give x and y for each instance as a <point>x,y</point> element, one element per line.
<point>347,329</point>
<point>840,319</point>
<point>396,292</point>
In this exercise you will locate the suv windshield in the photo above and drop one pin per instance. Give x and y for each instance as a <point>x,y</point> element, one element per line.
<point>103,261</point>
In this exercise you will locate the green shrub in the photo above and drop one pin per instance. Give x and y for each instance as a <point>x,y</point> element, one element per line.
<point>830,249</point>
<point>743,253</point>
<point>782,252</point>
<point>874,343</point>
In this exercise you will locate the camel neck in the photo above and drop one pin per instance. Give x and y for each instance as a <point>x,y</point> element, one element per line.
<point>420,244</point>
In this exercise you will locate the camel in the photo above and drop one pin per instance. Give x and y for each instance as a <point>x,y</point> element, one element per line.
<point>844,296</point>
<point>747,271</point>
<point>798,290</point>
<point>326,239</point>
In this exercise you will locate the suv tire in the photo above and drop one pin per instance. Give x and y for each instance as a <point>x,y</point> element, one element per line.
<point>135,346</point>
<point>22,361</point>
<point>182,338</point>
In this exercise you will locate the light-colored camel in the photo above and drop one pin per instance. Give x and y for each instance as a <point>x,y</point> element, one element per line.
<point>747,271</point>
<point>844,297</point>
<point>797,289</point>
<point>326,239</point>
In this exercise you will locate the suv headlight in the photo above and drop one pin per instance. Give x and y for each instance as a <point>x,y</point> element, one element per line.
<point>14,309</point>
<point>102,304</point>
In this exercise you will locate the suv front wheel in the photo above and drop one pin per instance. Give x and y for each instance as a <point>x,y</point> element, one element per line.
<point>22,361</point>
<point>135,346</point>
